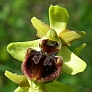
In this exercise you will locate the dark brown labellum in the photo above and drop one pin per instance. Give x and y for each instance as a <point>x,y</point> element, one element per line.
<point>42,67</point>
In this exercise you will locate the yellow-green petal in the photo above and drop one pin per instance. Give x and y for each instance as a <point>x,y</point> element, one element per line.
<point>72,64</point>
<point>19,79</point>
<point>58,18</point>
<point>68,36</point>
<point>40,26</point>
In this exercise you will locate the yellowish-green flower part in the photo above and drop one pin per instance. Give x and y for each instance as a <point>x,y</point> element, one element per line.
<point>57,36</point>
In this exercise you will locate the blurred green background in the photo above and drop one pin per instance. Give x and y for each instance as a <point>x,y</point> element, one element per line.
<point>15,26</point>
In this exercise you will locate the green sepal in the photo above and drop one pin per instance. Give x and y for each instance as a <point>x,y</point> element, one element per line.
<point>22,89</point>
<point>40,26</point>
<point>18,49</point>
<point>58,87</point>
<point>67,36</point>
<point>21,80</point>
<point>58,18</point>
<point>79,49</point>
<point>72,64</point>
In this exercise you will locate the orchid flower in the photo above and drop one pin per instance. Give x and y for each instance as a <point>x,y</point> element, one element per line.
<point>44,59</point>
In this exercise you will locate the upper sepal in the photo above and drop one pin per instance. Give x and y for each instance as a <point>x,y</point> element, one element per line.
<point>58,18</point>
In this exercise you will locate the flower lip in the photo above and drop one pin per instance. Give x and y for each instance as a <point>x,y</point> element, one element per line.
<point>41,67</point>
<point>48,46</point>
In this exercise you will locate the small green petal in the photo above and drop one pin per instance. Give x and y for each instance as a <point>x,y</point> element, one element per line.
<point>79,49</point>
<point>58,18</point>
<point>40,26</point>
<point>22,89</point>
<point>72,64</point>
<point>58,87</point>
<point>68,36</point>
<point>19,79</point>
<point>18,49</point>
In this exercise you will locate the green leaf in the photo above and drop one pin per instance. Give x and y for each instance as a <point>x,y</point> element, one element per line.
<point>58,18</point>
<point>79,49</point>
<point>22,89</point>
<point>72,64</point>
<point>68,36</point>
<point>18,49</point>
<point>40,26</point>
<point>19,79</point>
<point>58,87</point>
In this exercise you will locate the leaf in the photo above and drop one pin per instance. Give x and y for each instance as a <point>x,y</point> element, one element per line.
<point>19,79</point>
<point>72,64</point>
<point>68,36</point>
<point>58,18</point>
<point>18,49</point>
<point>22,89</point>
<point>40,26</point>
<point>58,87</point>
<point>79,49</point>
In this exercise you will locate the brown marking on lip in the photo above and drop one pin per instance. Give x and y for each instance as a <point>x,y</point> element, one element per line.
<point>36,68</point>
